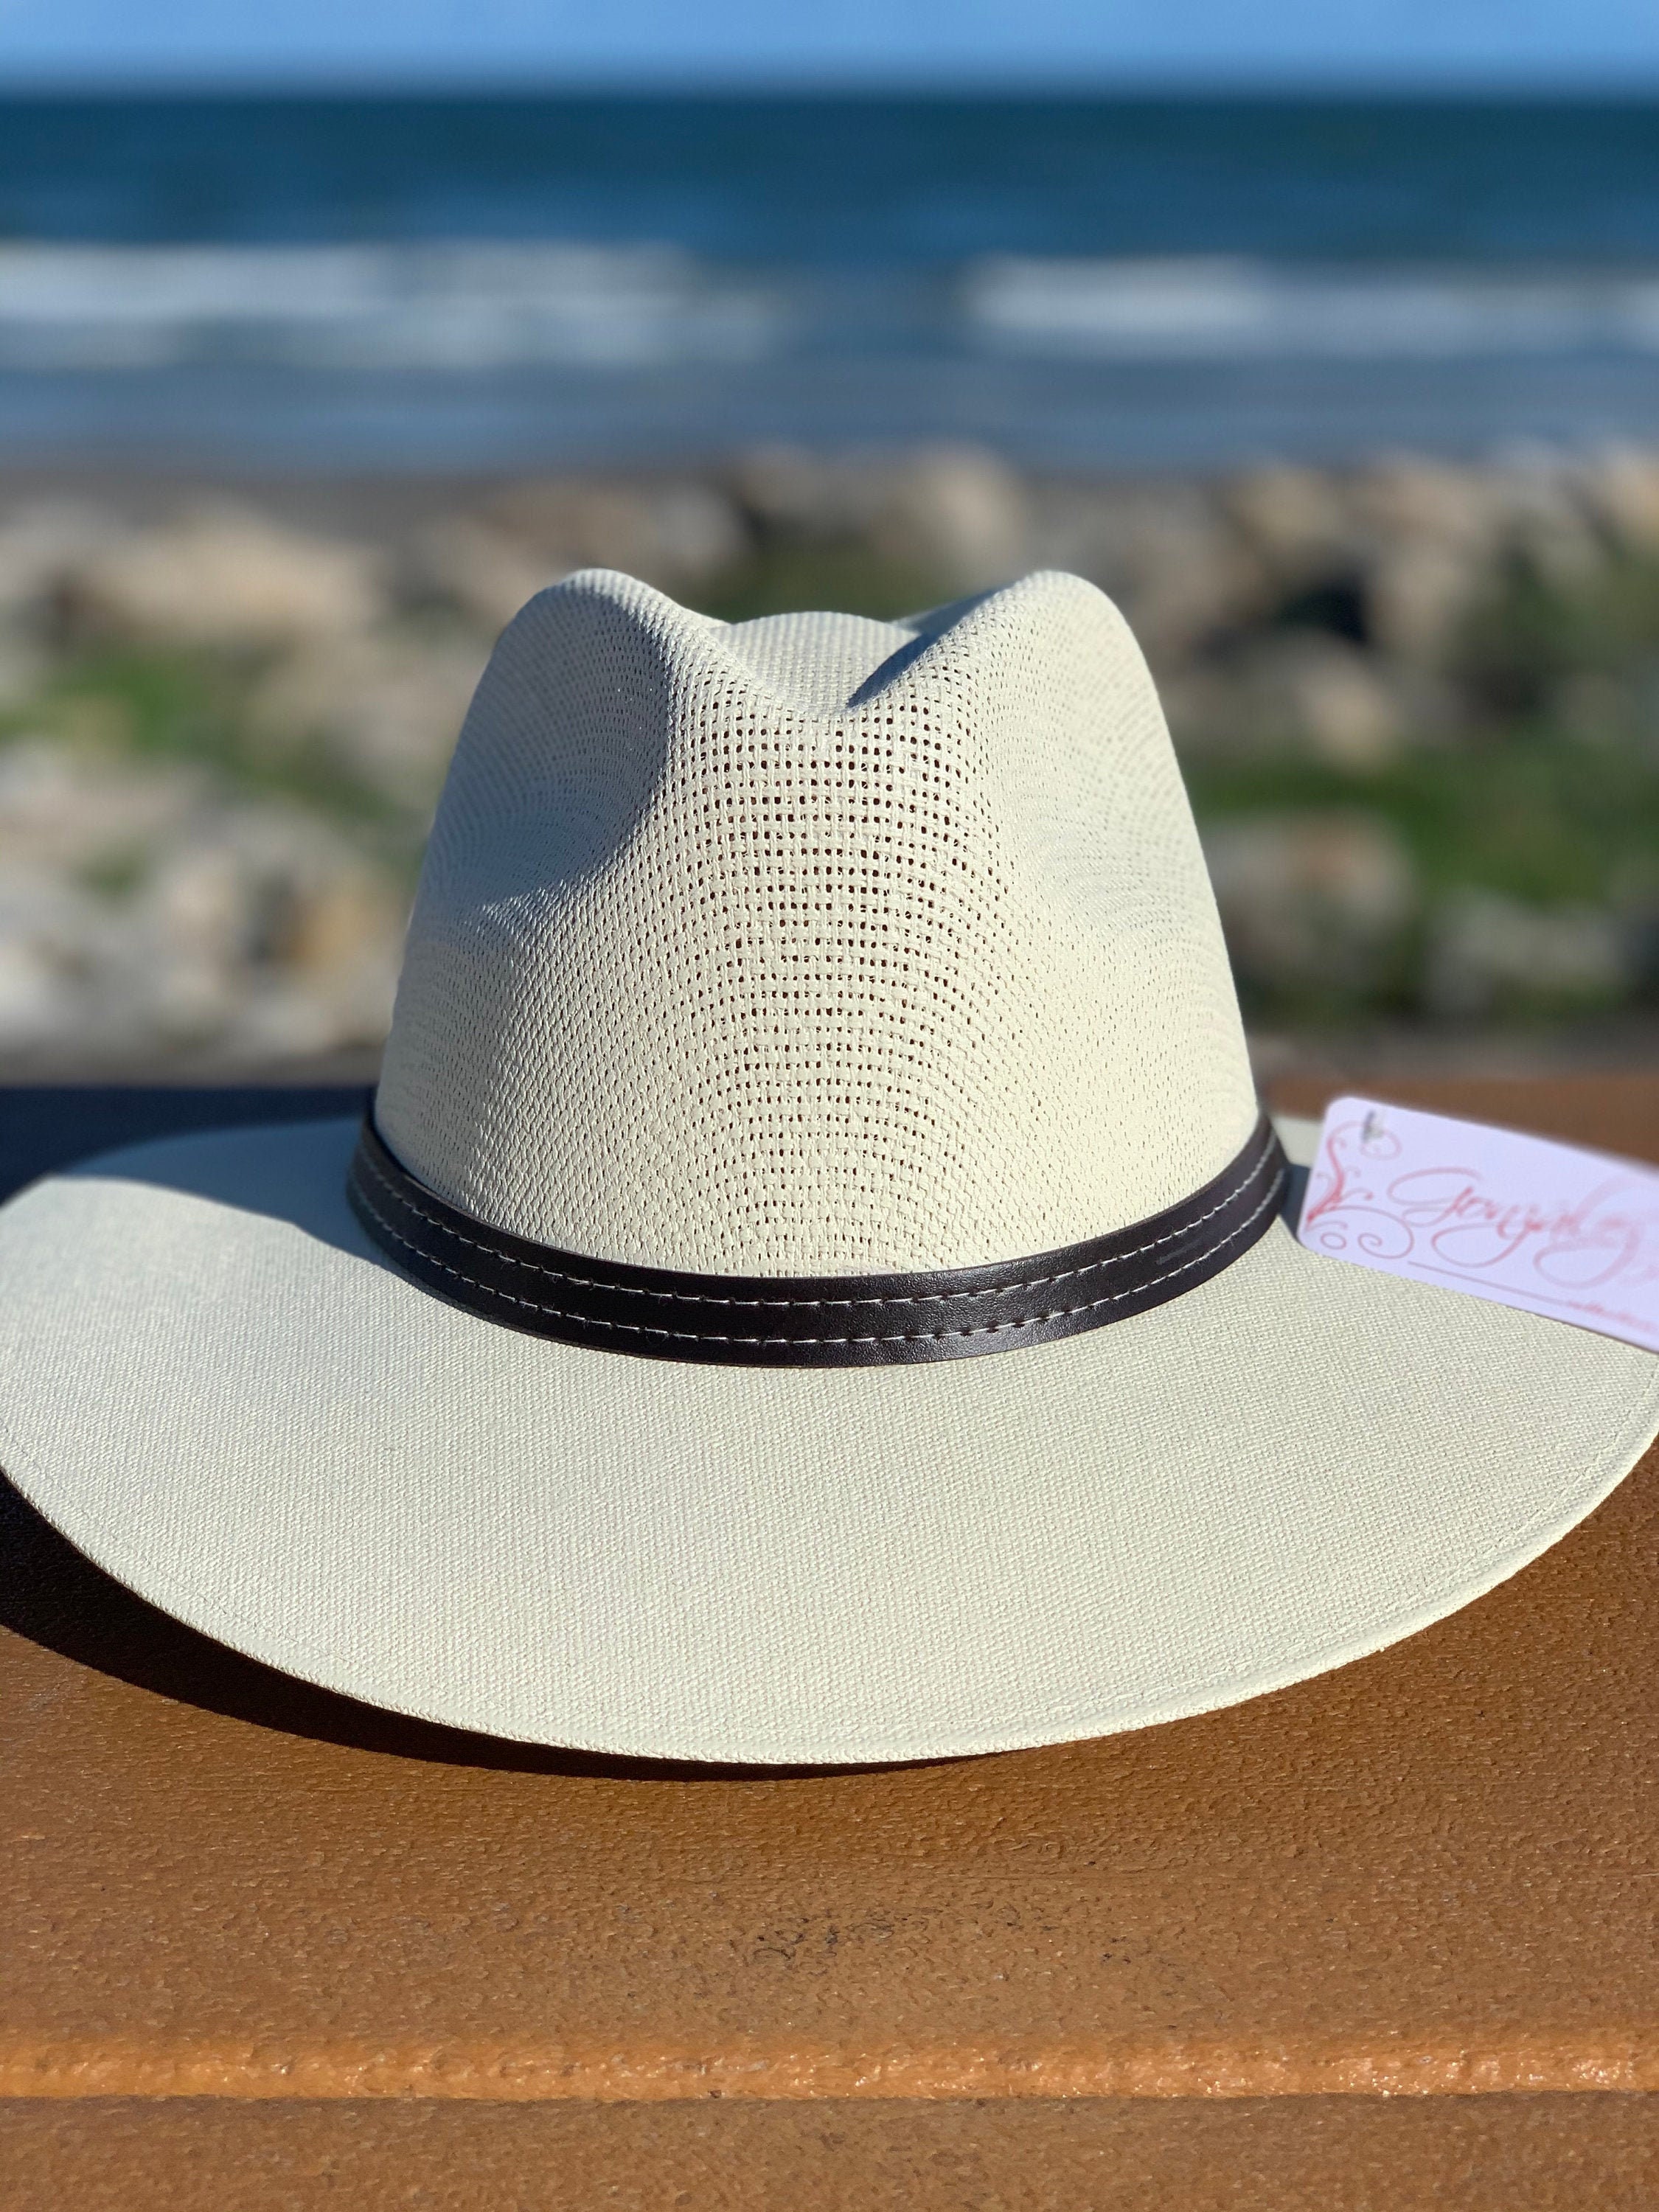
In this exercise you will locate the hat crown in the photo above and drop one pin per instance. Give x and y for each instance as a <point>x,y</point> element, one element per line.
<point>814,945</point>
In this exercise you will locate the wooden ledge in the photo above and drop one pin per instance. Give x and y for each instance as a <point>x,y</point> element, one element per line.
<point>528,2071</point>
<point>1423,1880</point>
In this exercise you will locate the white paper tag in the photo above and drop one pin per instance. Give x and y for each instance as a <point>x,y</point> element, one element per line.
<point>1520,1220</point>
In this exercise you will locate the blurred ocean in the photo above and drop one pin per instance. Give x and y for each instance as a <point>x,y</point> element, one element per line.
<point>480,283</point>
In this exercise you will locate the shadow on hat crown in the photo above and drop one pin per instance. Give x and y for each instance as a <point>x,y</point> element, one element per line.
<point>815,945</point>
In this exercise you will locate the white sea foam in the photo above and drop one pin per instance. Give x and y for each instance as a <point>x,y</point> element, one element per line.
<point>449,306</point>
<point>1208,310</point>
<point>488,306</point>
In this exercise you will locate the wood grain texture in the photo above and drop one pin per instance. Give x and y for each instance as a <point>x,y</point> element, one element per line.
<point>1280,2154</point>
<point>1430,1871</point>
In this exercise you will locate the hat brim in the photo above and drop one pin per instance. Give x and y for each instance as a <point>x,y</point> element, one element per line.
<point>223,1394</point>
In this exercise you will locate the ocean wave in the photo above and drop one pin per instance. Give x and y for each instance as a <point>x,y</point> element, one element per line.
<point>435,306</point>
<point>1212,309</point>
<point>474,307</point>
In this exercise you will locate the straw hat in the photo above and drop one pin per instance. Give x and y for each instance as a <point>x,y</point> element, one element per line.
<point>814,1286</point>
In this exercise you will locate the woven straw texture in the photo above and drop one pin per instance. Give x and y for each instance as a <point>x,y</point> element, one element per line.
<point>815,945</point>
<point>232,1401</point>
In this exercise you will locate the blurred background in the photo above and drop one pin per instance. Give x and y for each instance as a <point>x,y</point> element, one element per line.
<point>1325,337</point>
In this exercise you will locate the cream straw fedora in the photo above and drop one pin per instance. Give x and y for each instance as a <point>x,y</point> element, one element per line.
<point>813,1287</point>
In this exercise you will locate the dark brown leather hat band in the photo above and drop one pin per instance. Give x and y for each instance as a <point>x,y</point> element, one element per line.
<point>833,1321</point>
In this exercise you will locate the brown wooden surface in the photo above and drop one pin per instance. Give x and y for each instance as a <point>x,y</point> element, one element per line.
<point>1430,1871</point>
<point>1540,2154</point>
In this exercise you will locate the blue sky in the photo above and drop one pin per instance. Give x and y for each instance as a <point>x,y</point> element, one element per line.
<point>1499,42</point>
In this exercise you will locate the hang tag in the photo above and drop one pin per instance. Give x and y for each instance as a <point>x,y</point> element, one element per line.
<point>1521,1220</point>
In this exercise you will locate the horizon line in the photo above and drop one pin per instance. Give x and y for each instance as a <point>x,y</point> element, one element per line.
<point>1628,88</point>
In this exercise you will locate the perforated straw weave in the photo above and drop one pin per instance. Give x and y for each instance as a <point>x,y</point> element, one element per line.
<point>815,945</point>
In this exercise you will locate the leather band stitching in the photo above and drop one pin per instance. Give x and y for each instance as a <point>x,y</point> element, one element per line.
<point>912,1336</point>
<point>799,1305</point>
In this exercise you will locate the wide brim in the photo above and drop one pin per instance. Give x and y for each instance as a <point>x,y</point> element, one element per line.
<point>221,1393</point>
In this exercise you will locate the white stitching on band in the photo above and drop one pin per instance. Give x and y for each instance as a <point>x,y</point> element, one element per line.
<point>794,1305</point>
<point>911,1336</point>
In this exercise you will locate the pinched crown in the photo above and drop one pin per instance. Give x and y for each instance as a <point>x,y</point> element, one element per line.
<point>814,945</point>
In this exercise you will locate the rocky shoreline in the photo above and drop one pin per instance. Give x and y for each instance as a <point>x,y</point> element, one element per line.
<point>1418,705</point>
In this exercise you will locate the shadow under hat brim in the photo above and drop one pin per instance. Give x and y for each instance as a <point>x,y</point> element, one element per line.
<point>221,1393</point>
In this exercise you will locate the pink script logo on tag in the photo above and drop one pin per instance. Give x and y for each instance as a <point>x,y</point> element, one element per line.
<point>1520,1220</point>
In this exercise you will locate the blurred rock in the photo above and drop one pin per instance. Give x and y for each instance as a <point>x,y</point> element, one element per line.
<point>1487,951</point>
<point>262,910</point>
<point>1542,515</point>
<point>1330,701</point>
<point>1417,595</point>
<point>787,492</point>
<point>667,532</point>
<point>223,576</point>
<point>140,910</point>
<point>1621,492</point>
<point>478,569</point>
<point>1313,900</point>
<point>1431,531</point>
<point>42,541</point>
<point>387,707</point>
<point>82,810</point>
<point>53,940</point>
<point>957,514</point>
<point>1201,705</point>
<point>1182,573</point>
<point>35,1008</point>
<point>1411,498</point>
<point>673,535</point>
<point>1295,520</point>
<point>208,846</point>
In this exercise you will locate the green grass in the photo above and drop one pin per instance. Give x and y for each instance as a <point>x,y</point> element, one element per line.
<point>1532,795</point>
<point>786,578</point>
<point>1534,813</point>
<point>1523,798</point>
<point>193,708</point>
<point>1533,632</point>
